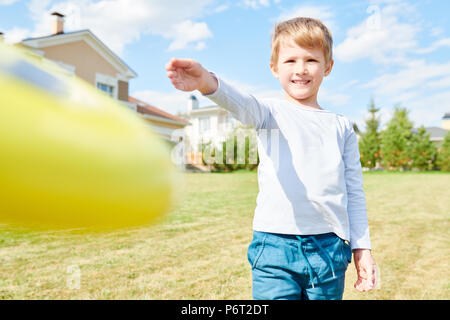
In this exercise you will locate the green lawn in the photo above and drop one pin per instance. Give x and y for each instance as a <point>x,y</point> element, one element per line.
<point>198,251</point>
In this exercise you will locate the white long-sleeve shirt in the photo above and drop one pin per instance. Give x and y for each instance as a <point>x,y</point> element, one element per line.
<point>309,175</point>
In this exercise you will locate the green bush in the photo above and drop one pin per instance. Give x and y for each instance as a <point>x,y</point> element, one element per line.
<point>231,154</point>
<point>369,144</point>
<point>422,150</point>
<point>395,140</point>
<point>443,156</point>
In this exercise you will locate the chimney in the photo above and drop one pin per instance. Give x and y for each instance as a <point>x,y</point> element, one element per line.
<point>57,23</point>
<point>193,103</point>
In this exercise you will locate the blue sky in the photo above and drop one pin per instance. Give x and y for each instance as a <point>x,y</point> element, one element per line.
<point>393,50</point>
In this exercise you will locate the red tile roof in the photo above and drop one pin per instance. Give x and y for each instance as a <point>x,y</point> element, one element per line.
<point>145,108</point>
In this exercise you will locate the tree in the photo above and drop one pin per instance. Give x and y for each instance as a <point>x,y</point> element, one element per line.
<point>422,150</point>
<point>443,158</point>
<point>395,140</point>
<point>369,144</point>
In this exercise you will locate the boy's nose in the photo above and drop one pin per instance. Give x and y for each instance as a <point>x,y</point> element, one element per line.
<point>300,68</point>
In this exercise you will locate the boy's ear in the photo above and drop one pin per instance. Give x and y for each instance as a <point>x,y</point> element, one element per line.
<point>329,68</point>
<point>273,69</point>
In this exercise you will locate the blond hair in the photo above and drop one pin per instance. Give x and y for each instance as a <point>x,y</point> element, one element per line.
<point>306,32</point>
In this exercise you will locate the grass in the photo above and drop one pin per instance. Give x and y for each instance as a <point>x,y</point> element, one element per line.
<point>198,251</point>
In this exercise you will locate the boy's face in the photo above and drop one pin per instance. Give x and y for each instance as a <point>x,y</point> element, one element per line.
<point>300,71</point>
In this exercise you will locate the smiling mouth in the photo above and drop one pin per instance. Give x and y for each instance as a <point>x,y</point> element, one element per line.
<point>301,82</point>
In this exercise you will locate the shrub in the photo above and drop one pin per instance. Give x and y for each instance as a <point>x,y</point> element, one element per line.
<point>395,140</point>
<point>238,151</point>
<point>422,151</point>
<point>443,156</point>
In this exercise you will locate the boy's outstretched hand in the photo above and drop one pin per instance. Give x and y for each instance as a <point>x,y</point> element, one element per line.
<point>365,267</point>
<point>189,75</point>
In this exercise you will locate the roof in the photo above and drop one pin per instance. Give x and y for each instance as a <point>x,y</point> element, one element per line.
<point>436,133</point>
<point>208,109</point>
<point>145,108</point>
<point>214,106</point>
<point>36,42</point>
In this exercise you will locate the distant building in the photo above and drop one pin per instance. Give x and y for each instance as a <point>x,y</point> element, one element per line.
<point>207,124</point>
<point>86,56</point>
<point>437,134</point>
<point>161,122</point>
<point>446,121</point>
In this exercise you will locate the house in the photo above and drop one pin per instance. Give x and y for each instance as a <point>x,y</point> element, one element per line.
<point>83,54</point>
<point>446,121</point>
<point>207,124</point>
<point>437,134</point>
<point>86,56</point>
<point>160,121</point>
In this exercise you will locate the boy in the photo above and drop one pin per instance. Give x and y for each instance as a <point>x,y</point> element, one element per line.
<point>310,201</point>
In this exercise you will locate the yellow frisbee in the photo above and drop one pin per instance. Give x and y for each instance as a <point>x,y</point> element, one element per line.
<point>72,157</point>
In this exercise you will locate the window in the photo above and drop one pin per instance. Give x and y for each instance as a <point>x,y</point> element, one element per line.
<point>228,122</point>
<point>109,90</point>
<point>204,124</point>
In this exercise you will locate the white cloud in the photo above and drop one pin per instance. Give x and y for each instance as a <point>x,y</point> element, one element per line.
<point>445,42</point>
<point>415,76</point>
<point>15,35</point>
<point>323,13</point>
<point>120,22</point>
<point>442,83</point>
<point>255,4</point>
<point>418,87</point>
<point>221,8</point>
<point>7,2</point>
<point>389,37</point>
<point>186,33</point>
<point>349,85</point>
<point>429,109</point>
<point>382,37</point>
<point>333,98</point>
<point>436,31</point>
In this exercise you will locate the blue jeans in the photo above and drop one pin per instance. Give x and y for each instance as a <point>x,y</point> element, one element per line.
<point>292,267</point>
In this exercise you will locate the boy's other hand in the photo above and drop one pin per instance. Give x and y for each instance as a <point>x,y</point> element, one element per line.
<point>365,267</point>
<point>189,75</point>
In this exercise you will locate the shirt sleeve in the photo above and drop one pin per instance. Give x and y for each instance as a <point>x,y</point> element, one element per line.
<point>356,205</point>
<point>245,107</point>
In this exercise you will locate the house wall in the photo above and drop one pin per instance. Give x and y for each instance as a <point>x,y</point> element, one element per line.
<point>165,130</point>
<point>87,61</point>
<point>218,129</point>
<point>164,124</point>
<point>446,124</point>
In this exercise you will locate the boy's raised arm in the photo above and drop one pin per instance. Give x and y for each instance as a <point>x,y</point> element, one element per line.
<point>189,75</point>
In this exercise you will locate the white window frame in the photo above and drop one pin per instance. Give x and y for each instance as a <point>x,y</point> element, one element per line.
<point>109,81</point>
<point>109,92</point>
<point>201,121</point>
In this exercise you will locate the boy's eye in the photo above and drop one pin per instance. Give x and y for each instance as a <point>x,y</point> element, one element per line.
<point>289,61</point>
<point>312,60</point>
